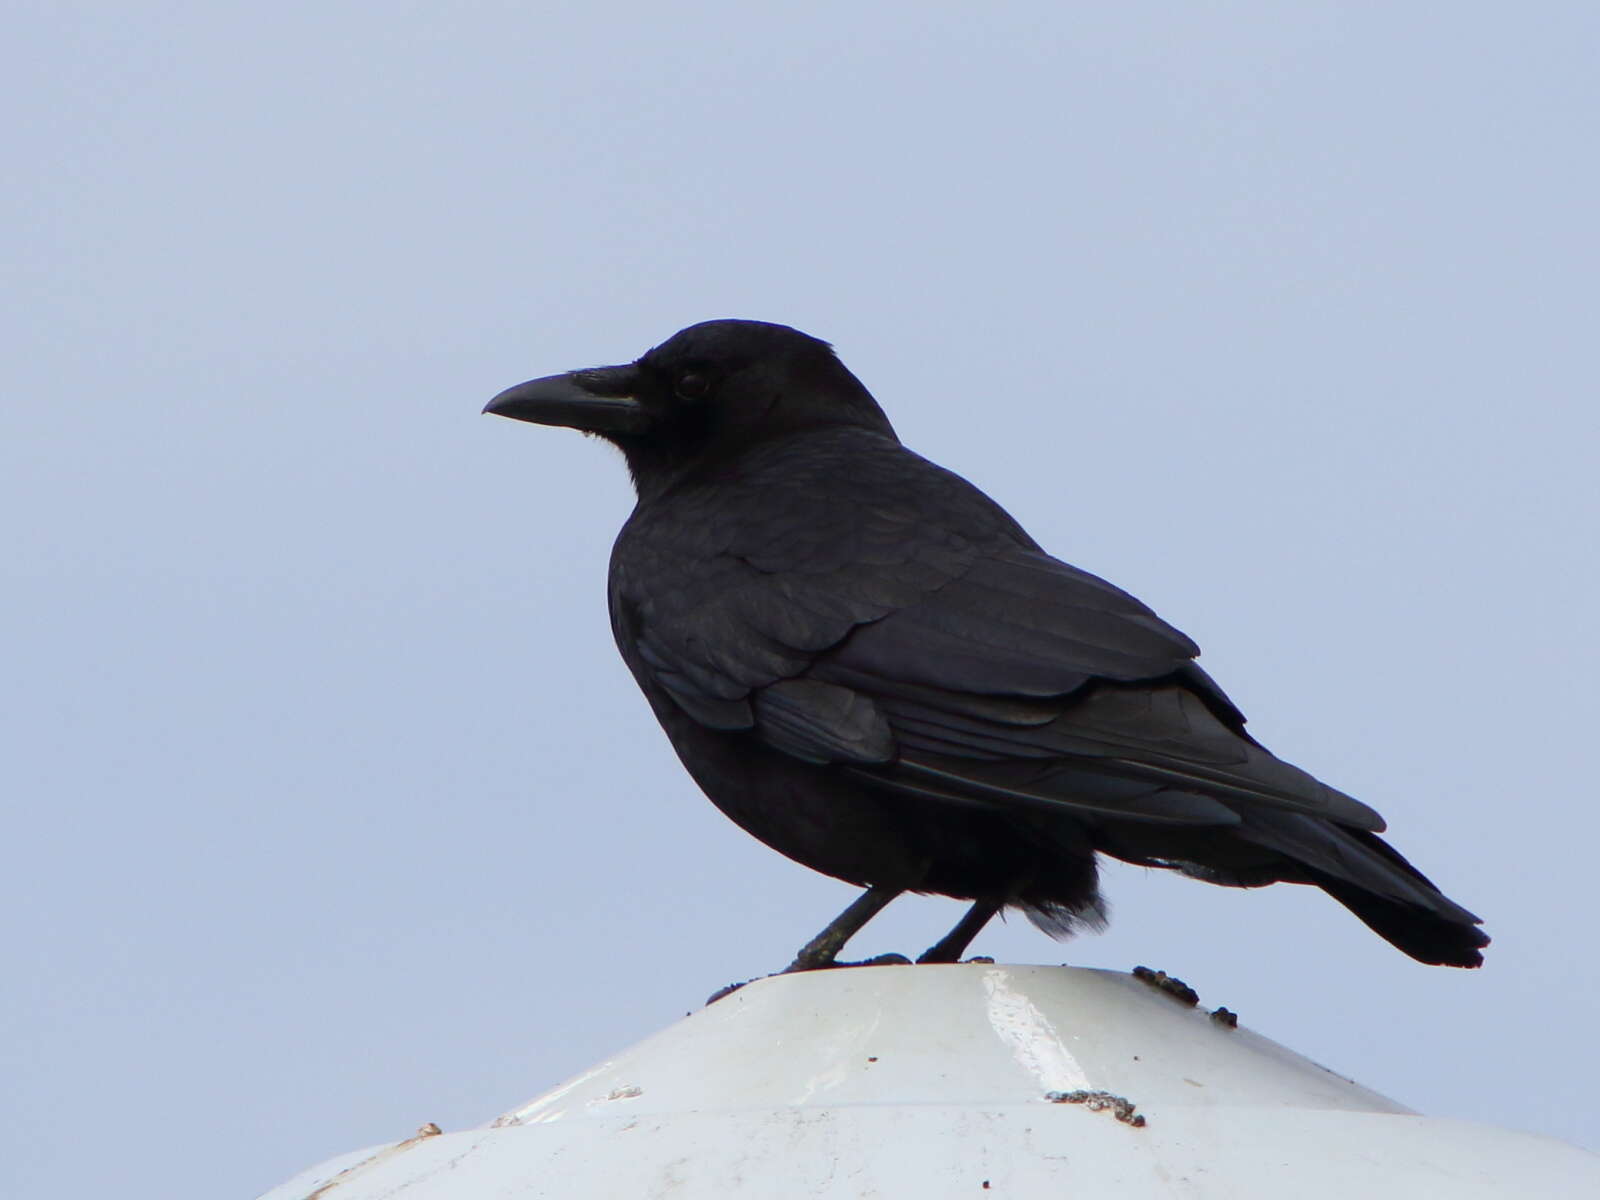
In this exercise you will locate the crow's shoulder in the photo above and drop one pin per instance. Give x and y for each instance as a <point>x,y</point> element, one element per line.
<point>747,577</point>
<point>738,576</point>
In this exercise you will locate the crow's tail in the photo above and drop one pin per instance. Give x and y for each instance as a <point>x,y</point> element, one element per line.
<point>1373,880</point>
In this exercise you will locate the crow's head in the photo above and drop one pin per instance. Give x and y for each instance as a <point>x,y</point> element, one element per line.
<point>706,393</point>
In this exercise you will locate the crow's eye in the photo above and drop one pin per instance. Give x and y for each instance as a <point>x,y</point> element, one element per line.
<point>692,385</point>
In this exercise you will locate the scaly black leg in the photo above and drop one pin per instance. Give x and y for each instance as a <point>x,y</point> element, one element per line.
<point>952,945</point>
<point>821,950</point>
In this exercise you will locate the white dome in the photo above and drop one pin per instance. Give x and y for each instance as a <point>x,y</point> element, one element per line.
<point>935,1081</point>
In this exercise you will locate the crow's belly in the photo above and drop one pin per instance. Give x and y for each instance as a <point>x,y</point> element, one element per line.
<point>839,824</point>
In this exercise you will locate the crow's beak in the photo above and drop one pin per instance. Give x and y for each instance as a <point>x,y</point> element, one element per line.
<point>597,401</point>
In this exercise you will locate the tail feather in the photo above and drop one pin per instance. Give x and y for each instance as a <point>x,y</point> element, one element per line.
<point>1421,933</point>
<point>1375,882</point>
<point>1357,868</point>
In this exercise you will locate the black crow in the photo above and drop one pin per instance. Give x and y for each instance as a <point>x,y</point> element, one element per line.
<point>866,663</point>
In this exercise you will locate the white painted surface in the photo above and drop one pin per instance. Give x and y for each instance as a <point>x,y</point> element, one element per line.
<point>933,1081</point>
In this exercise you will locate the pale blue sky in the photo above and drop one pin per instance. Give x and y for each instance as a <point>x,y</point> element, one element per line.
<point>1281,316</point>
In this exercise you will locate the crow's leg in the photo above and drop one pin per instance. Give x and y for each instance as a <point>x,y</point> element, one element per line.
<point>952,945</point>
<point>821,950</point>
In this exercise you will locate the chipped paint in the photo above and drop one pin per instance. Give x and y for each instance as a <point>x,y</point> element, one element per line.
<point>1031,1038</point>
<point>535,1112</point>
<point>422,1134</point>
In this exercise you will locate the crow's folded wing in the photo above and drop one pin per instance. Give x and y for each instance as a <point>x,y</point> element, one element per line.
<point>1018,623</point>
<point>926,643</point>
